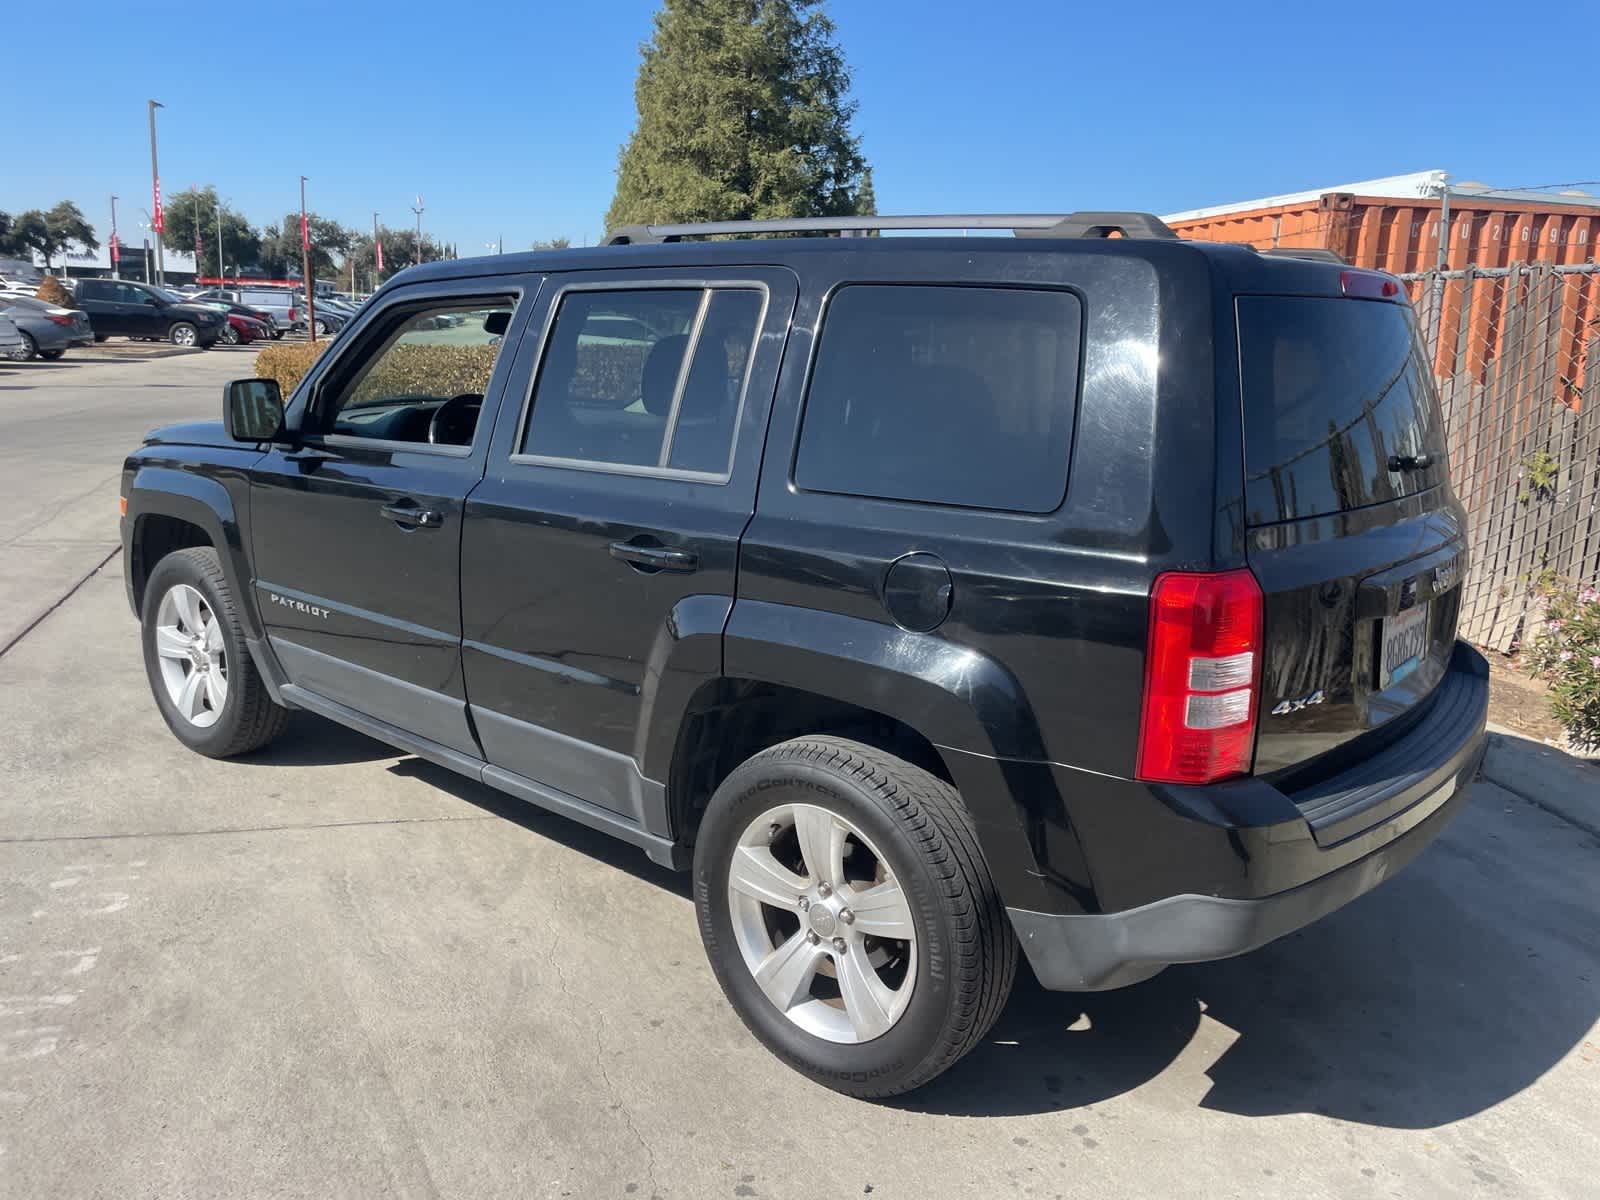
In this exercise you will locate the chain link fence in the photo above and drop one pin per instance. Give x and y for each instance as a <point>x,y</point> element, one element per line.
<point>1516,351</point>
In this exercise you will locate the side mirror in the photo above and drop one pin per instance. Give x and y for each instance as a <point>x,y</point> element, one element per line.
<point>252,410</point>
<point>497,323</point>
<point>152,302</point>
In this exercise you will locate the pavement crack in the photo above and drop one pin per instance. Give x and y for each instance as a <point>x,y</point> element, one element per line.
<point>62,599</point>
<point>286,827</point>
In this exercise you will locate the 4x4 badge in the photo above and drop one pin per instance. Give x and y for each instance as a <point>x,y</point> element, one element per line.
<point>1283,707</point>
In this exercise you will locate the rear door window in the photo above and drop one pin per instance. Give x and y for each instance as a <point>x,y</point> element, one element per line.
<point>944,395</point>
<point>1339,406</point>
<point>649,378</point>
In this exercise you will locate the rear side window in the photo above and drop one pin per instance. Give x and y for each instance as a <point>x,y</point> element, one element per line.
<point>946,395</point>
<point>650,378</point>
<point>1336,392</point>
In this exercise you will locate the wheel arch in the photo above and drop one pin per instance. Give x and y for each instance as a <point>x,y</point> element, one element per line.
<point>791,672</point>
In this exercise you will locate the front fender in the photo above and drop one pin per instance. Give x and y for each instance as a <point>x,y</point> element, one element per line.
<point>204,502</point>
<point>968,705</point>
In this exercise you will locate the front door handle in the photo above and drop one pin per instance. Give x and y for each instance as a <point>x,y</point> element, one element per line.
<point>655,558</point>
<point>410,514</point>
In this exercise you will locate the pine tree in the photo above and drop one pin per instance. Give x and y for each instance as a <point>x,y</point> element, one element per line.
<point>866,197</point>
<point>744,113</point>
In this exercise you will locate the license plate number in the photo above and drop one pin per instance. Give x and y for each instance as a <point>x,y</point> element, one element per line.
<point>1405,639</point>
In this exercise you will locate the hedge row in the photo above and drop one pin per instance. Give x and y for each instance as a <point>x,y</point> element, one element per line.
<point>288,364</point>
<point>601,371</point>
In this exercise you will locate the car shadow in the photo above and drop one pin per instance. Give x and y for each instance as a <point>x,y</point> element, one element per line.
<point>1439,995</point>
<point>315,741</point>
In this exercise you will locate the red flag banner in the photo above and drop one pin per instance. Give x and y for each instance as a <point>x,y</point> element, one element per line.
<point>305,232</point>
<point>159,222</point>
<point>116,250</point>
<point>379,247</point>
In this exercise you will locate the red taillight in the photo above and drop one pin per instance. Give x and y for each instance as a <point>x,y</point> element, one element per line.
<point>1369,285</point>
<point>1200,684</point>
<point>61,319</point>
<point>292,315</point>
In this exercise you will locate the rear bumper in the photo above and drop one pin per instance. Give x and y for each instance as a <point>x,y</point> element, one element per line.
<point>1390,807</point>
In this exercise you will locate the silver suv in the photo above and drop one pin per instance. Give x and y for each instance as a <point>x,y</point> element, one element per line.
<point>288,308</point>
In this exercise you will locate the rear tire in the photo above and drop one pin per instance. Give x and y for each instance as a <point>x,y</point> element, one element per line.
<point>247,718</point>
<point>229,336</point>
<point>931,996</point>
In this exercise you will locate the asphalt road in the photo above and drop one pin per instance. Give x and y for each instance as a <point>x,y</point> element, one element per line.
<point>333,970</point>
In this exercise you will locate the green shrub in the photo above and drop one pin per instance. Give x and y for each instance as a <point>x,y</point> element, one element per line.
<point>1567,653</point>
<point>428,370</point>
<point>288,364</point>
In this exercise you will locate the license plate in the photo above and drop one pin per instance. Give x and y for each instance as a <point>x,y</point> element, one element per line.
<point>1405,639</point>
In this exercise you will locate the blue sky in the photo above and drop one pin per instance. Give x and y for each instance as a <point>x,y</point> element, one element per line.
<point>507,118</point>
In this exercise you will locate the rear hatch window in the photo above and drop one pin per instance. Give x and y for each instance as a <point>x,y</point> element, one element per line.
<point>1336,393</point>
<point>1356,541</point>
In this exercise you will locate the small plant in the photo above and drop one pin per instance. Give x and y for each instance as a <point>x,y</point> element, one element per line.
<point>1566,652</point>
<point>51,292</point>
<point>1540,471</point>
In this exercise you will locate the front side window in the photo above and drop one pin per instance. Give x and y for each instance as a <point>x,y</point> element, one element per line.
<point>420,376</point>
<point>648,378</point>
<point>943,395</point>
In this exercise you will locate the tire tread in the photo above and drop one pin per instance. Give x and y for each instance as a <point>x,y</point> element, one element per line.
<point>984,950</point>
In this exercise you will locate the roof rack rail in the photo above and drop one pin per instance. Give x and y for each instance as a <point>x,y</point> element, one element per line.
<point>1084,224</point>
<point>1314,253</point>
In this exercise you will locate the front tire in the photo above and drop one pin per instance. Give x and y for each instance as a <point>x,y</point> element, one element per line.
<point>28,351</point>
<point>183,334</point>
<point>849,915</point>
<point>204,680</point>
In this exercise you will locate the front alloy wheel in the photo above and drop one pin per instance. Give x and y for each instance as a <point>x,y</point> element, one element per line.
<point>193,657</point>
<point>183,334</point>
<point>822,923</point>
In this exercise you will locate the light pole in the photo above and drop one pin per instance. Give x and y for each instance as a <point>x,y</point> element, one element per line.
<point>305,266</point>
<point>155,190</point>
<point>221,275</point>
<point>417,208</point>
<point>116,250</point>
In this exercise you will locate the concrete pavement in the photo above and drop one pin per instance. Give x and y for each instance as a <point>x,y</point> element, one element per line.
<point>334,970</point>
<point>64,429</point>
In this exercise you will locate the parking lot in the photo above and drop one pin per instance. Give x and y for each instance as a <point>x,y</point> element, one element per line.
<point>331,969</point>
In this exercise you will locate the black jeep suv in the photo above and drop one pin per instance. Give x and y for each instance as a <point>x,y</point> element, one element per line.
<point>930,597</point>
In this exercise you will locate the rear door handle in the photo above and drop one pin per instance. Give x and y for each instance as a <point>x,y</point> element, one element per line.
<point>655,558</point>
<point>410,514</point>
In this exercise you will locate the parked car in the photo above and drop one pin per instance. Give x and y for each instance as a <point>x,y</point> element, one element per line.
<point>11,343</point>
<point>120,308</point>
<point>286,307</point>
<point>329,318</point>
<point>243,310</point>
<point>933,600</point>
<point>241,331</point>
<point>47,331</point>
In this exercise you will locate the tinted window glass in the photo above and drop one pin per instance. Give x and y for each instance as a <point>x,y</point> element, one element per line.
<point>612,388</point>
<point>420,377</point>
<point>951,395</point>
<point>1335,392</point>
<point>702,438</point>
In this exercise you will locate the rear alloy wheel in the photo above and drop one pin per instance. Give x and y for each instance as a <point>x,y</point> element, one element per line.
<point>28,351</point>
<point>322,329</point>
<point>183,334</point>
<point>230,336</point>
<point>849,914</point>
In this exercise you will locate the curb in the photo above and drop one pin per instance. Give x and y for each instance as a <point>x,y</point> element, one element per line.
<point>1544,776</point>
